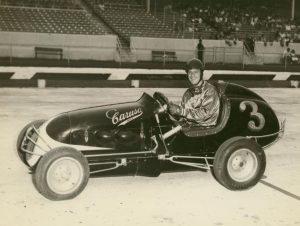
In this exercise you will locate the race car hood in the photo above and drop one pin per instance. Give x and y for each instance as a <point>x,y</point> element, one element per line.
<point>69,125</point>
<point>59,128</point>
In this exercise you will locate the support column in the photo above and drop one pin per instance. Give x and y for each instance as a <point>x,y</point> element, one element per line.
<point>293,10</point>
<point>148,6</point>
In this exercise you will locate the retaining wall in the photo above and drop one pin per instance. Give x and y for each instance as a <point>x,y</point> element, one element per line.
<point>76,47</point>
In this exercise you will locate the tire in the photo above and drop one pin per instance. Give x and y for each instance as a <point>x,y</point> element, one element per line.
<point>61,174</point>
<point>239,163</point>
<point>22,155</point>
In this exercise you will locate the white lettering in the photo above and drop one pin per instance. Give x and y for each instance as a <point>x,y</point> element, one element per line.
<point>123,118</point>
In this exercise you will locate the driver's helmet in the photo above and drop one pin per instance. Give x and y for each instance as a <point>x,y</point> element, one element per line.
<point>194,64</point>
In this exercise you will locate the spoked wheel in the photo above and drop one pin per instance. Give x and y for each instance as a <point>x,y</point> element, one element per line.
<point>239,163</point>
<point>62,173</point>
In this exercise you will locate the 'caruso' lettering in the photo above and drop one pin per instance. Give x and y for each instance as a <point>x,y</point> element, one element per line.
<point>123,118</point>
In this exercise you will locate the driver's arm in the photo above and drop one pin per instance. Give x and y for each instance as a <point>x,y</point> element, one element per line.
<point>202,109</point>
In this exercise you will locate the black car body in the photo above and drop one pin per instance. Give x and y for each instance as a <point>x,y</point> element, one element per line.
<point>141,135</point>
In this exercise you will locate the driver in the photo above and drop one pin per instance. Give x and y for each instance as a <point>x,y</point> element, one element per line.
<point>200,103</point>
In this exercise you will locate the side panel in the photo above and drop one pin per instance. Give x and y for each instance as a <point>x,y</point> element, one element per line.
<point>121,127</point>
<point>237,91</point>
<point>248,117</point>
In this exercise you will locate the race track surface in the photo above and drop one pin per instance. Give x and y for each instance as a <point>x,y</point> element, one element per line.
<point>181,198</point>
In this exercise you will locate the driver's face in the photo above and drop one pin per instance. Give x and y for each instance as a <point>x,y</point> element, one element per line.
<point>194,76</point>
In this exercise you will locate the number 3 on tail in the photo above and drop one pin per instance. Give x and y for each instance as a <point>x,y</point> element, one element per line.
<point>253,114</point>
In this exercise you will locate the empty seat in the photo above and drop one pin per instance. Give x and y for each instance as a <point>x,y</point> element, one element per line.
<point>47,20</point>
<point>130,19</point>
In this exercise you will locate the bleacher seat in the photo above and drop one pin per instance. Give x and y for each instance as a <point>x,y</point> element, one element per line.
<point>62,4</point>
<point>128,18</point>
<point>66,21</point>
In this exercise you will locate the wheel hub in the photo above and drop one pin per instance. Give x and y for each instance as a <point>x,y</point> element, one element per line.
<point>242,165</point>
<point>239,162</point>
<point>64,175</point>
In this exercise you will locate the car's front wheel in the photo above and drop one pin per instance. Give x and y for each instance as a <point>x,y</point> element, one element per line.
<point>62,173</point>
<point>239,163</point>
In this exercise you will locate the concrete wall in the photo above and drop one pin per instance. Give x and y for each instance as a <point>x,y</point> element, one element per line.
<point>103,47</point>
<point>93,47</point>
<point>218,51</point>
<point>184,48</point>
<point>215,50</point>
<point>272,54</point>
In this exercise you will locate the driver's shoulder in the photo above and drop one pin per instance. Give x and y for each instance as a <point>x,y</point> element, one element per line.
<point>188,92</point>
<point>212,88</point>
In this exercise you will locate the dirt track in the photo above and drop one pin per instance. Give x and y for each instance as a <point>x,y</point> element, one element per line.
<point>190,198</point>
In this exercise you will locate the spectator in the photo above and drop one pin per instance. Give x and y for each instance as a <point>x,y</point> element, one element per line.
<point>286,56</point>
<point>226,20</point>
<point>294,58</point>
<point>249,44</point>
<point>101,6</point>
<point>200,48</point>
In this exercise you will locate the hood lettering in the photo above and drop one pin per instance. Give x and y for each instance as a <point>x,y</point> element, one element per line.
<point>123,118</point>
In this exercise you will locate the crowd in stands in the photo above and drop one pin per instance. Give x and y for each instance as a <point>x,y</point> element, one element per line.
<point>228,21</point>
<point>289,56</point>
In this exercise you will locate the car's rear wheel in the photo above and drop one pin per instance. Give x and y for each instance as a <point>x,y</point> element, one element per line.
<point>239,163</point>
<point>61,174</point>
<point>23,155</point>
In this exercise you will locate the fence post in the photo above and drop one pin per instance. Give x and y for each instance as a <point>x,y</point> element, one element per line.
<point>285,63</point>
<point>243,57</point>
<point>164,60</point>
<point>10,55</point>
<point>224,48</point>
<point>214,55</point>
<point>193,29</point>
<point>68,55</point>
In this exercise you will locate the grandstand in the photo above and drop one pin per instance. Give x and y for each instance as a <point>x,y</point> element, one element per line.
<point>238,21</point>
<point>140,33</point>
<point>41,20</point>
<point>61,4</point>
<point>134,21</point>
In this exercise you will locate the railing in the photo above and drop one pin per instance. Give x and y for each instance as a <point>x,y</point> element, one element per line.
<point>238,57</point>
<point>167,58</point>
<point>119,47</point>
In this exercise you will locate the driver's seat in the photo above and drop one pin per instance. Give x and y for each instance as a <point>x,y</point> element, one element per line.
<point>198,130</point>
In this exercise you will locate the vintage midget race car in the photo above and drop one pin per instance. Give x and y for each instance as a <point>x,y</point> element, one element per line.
<point>143,138</point>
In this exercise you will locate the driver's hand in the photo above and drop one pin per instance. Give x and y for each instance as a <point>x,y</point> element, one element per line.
<point>181,122</point>
<point>174,109</point>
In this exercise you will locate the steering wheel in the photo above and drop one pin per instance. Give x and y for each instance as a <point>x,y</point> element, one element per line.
<point>161,99</point>
<point>164,103</point>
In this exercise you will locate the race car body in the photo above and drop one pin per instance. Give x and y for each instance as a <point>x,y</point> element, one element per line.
<point>141,136</point>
